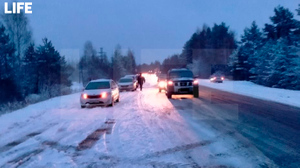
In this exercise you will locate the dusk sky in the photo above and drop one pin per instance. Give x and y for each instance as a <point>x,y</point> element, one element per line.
<point>153,29</point>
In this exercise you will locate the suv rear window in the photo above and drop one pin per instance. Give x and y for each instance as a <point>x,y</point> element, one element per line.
<point>97,85</point>
<point>180,74</point>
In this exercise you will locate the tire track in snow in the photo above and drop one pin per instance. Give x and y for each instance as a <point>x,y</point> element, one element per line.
<point>23,139</point>
<point>91,139</point>
<point>152,121</point>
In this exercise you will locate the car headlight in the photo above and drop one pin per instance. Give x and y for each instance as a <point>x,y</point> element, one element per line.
<point>162,84</point>
<point>84,96</point>
<point>103,95</point>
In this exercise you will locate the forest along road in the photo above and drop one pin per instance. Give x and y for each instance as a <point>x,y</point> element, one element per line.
<point>271,127</point>
<point>145,129</point>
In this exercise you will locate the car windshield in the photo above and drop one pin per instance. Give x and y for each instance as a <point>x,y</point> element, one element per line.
<point>98,85</point>
<point>125,80</point>
<point>181,74</point>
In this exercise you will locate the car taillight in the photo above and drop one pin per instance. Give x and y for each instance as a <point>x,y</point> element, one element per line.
<point>104,95</point>
<point>214,78</point>
<point>222,78</point>
<point>170,83</point>
<point>195,82</point>
<point>84,96</point>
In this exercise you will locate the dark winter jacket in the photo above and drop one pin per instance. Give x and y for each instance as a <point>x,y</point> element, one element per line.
<point>141,80</point>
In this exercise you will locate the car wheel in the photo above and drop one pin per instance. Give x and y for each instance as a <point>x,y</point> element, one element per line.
<point>82,106</point>
<point>112,102</point>
<point>169,95</point>
<point>118,100</point>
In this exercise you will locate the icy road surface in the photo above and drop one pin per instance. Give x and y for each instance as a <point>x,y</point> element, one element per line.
<point>144,129</point>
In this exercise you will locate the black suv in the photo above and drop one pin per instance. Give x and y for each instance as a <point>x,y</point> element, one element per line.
<point>181,81</point>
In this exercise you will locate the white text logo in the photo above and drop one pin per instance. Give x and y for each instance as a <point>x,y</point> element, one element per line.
<point>16,7</point>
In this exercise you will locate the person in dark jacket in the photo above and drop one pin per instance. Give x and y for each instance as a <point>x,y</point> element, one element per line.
<point>141,80</point>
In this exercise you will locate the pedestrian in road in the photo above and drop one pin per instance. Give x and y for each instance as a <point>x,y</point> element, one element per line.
<point>141,80</point>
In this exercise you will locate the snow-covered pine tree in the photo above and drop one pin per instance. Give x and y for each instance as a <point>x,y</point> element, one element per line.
<point>286,66</point>
<point>242,59</point>
<point>263,66</point>
<point>283,24</point>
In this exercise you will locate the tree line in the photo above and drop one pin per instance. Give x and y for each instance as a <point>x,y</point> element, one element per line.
<point>93,66</point>
<point>31,73</point>
<point>207,50</point>
<point>268,56</point>
<point>27,69</point>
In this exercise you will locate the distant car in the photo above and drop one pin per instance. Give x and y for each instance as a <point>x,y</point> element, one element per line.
<point>100,92</point>
<point>162,82</point>
<point>181,81</point>
<point>217,78</point>
<point>134,77</point>
<point>128,84</point>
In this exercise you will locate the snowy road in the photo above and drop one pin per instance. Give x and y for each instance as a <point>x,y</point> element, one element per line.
<point>144,130</point>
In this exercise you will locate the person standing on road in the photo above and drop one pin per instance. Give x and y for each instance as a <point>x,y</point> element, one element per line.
<point>141,80</point>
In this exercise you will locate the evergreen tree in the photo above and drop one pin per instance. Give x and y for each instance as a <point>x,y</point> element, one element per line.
<point>30,71</point>
<point>118,65</point>
<point>263,65</point>
<point>51,66</point>
<point>129,62</point>
<point>283,23</point>
<point>242,60</point>
<point>88,63</point>
<point>285,66</point>
<point>209,48</point>
<point>8,88</point>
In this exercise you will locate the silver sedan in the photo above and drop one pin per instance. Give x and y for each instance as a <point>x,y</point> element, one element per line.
<point>100,92</point>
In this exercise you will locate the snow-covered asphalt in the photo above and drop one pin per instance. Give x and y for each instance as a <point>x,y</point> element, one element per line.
<point>145,129</point>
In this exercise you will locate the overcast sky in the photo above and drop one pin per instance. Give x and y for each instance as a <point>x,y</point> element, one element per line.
<point>154,29</point>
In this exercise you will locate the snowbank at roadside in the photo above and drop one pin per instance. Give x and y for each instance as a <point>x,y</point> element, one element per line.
<point>289,97</point>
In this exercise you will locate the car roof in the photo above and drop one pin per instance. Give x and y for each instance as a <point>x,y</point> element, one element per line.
<point>101,80</point>
<point>179,69</point>
<point>128,77</point>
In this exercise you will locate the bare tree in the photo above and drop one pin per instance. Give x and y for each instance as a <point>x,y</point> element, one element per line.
<point>19,31</point>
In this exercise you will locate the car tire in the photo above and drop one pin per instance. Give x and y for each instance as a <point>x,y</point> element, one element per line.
<point>195,91</point>
<point>82,106</point>
<point>112,103</point>
<point>169,95</point>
